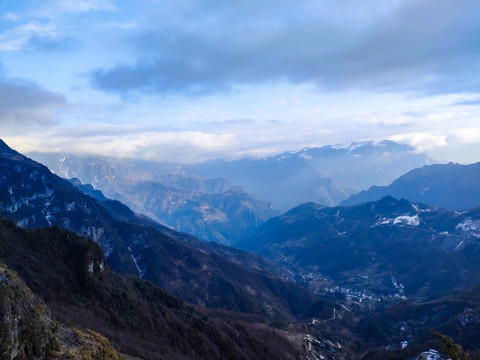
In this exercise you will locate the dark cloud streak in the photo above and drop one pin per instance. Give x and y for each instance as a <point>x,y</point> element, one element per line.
<point>48,43</point>
<point>24,103</point>
<point>424,46</point>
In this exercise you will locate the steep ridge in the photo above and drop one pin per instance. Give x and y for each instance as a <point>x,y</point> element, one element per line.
<point>218,216</point>
<point>34,197</point>
<point>28,330</point>
<point>451,186</point>
<point>378,250</point>
<point>25,332</point>
<point>69,273</point>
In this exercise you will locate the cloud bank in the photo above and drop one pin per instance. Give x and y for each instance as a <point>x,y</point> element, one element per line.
<point>189,80</point>
<point>424,46</point>
<point>24,104</point>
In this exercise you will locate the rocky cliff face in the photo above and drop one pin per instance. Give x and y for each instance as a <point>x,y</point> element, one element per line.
<point>28,331</point>
<point>25,328</point>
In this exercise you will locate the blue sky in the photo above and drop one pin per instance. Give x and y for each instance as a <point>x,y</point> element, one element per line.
<point>188,80</point>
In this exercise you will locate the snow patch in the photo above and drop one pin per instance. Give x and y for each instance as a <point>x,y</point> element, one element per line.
<point>23,223</point>
<point>418,209</point>
<point>70,206</point>
<point>136,260</point>
<point>49,217</point>
<point>429,355</point>
<point>349,145</point>
<point>401,220</point>
<point>305,156</point>
<point>469,226</point>
<point>407,220</point>
<point>137,244</point>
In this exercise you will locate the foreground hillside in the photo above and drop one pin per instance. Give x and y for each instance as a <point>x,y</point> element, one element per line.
<point>70,275</point>
<point>28,330</point>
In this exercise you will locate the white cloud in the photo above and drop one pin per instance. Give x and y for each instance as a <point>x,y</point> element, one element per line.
<point>81,6</point>
<point>213,47</point>
<point>189,146</point>
<point>17,38</point>
<point>467,135</point>
<point>52,9</point>
<point>421,141</point>
<point>41,22</point>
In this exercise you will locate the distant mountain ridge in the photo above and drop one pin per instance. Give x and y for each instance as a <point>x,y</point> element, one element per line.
<point>325,175</point>
<point>211,209</point>
<point>451,186</point>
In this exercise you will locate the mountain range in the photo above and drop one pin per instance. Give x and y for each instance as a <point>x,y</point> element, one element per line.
<point>175,195</point>
<point>375,250</point>
<point>395,268</point>
<point>200,199</point>
<point>450,186</point>
<point>384,272</point>
<point>181,264</point>
<point>325,175</point>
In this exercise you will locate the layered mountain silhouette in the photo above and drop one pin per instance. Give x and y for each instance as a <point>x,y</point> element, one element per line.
<point>175,195</point>
<point>325,175</point>
<point>451,186</point>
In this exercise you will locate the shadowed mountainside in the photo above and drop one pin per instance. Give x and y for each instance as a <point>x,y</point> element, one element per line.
<point>451,186</point>
<point>379,249</point>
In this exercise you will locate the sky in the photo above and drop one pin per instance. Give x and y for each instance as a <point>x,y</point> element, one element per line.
<point>190,80</point>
